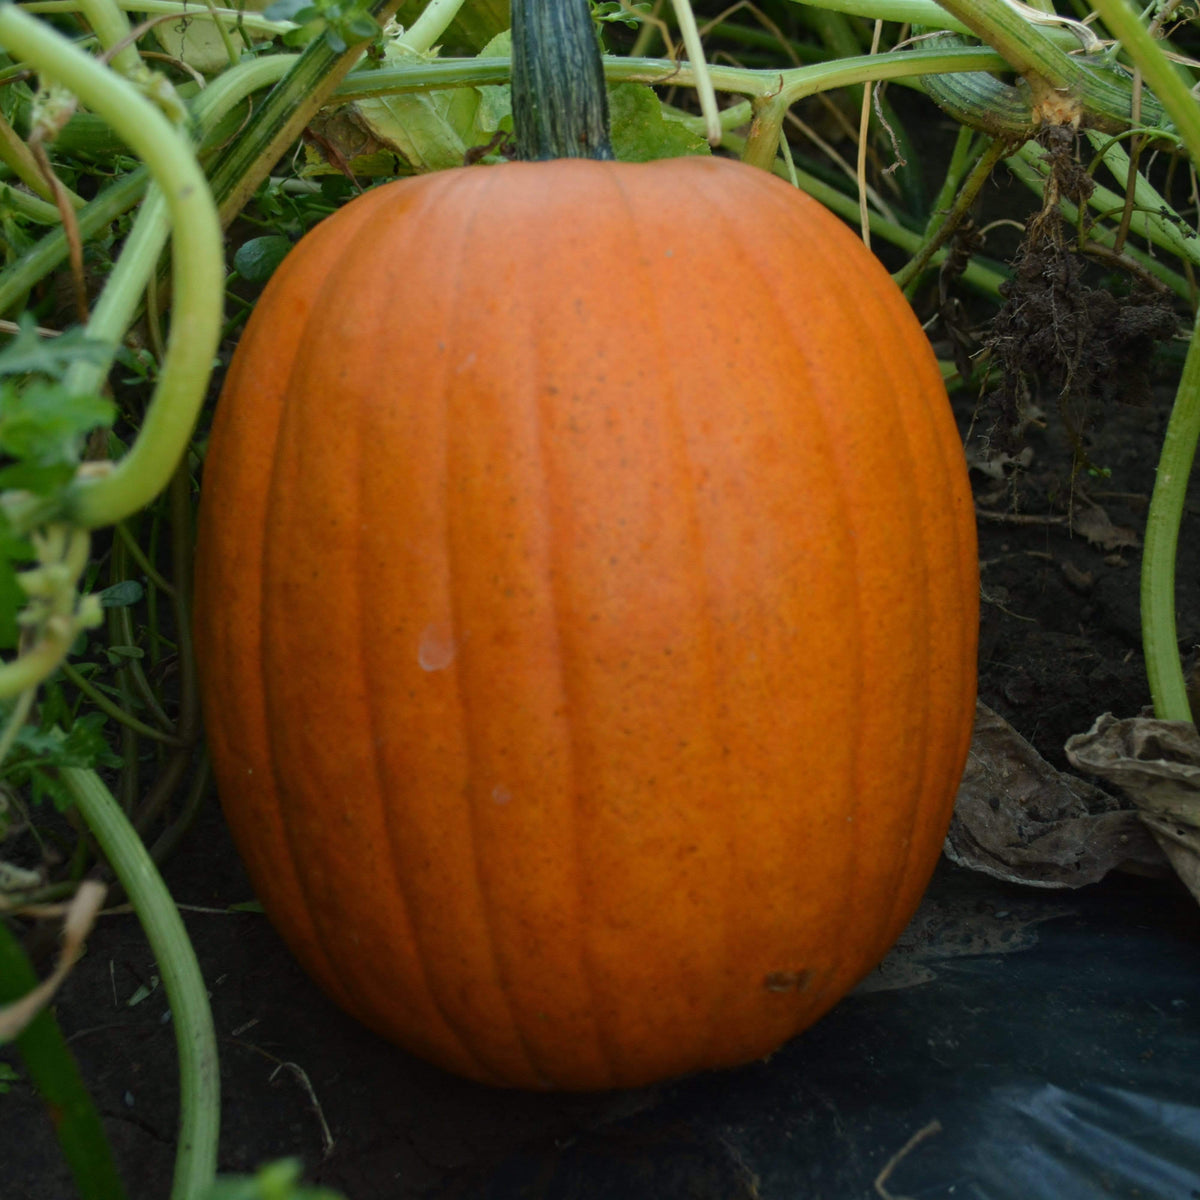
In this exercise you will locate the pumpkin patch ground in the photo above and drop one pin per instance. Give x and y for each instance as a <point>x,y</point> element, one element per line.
<point>1036,1043</point>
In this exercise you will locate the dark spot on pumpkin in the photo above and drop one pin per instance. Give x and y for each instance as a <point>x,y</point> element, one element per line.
<point>787,981</point>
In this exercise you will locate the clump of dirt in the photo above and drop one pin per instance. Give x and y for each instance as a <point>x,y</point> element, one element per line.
<point>1056,335</point>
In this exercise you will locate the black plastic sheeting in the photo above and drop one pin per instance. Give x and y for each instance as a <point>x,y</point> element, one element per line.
<point>1058,1050</point>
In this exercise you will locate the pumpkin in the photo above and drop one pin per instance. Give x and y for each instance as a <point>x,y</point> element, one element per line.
<point>586,611</point>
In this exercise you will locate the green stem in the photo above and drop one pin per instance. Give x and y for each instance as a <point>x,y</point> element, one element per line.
<point>198,264</point>
<point>422,36</point>
<point>1160,642</point>
<point>16,155</point>
<point>559,102</point>
<point>133,547</point>
<point>1062,87</point>
<point>17,717</point>
<point>102,702</point>
<point>199,1101</point>
<point>1159,636</point>
<point>801,82</point>
<point>55,1073</point>
<point>46,655</point>
<point>111,27</point>
<point>690,32</point>
<point>796,82</point>
<point>946,221</point>
<point>1160,74</point>
<point>30,207</point>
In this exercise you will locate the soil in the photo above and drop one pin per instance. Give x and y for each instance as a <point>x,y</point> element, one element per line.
<point>1060,645</point>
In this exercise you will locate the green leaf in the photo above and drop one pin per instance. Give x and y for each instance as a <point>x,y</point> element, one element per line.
<point>614,11</point>
<point>122,595</point>
<point>39,751</point>
<point>31,354</point>
<point>640,131</point>
<point>256,260</point>
<point>119,656</point>
<point>44,424</point>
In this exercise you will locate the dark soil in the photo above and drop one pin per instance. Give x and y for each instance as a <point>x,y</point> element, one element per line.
<point>1060,645</point>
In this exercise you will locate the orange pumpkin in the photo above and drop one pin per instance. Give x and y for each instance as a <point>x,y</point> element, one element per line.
<point>586,609</point>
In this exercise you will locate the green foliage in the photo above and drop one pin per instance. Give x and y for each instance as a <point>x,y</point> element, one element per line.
<point>342,23</point>
<point>8,1076</point>
<point>30,354</point>
<point>640,132</point>
<point>255,261</point>
<point>613,12</point>
<point>43,428</point>
<point>60,739</point>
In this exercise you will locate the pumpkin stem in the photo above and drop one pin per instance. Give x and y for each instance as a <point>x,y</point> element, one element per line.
<point>560,106</point>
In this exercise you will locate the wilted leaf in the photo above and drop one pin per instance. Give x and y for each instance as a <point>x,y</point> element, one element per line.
<point>1018,819</point>
<point>435,130</point>
<point>431,131</point>
<point>1157,765</point>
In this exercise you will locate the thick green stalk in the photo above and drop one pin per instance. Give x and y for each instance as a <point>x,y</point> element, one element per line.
<point>1160,641</point>
<point>800,82</point>
<point>19,158</point>
<point>1159,636</point>
<point>54,1072</point>
<point>422,35</point>
<point>560,106</point>
<point>796,82</point>
<point>111,26</point>
<point>1062,87</point>
<point>199,1100</point>
<point>30,207</point>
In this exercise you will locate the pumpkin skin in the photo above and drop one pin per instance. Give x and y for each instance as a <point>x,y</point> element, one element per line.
<point>586,612</point>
